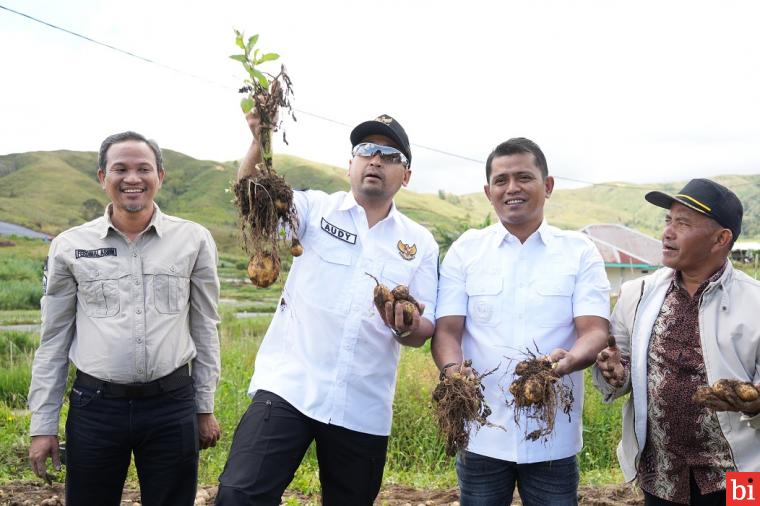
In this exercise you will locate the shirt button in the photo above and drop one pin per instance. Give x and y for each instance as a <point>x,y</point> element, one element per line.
<point>137,281</point>
<point>138,311</point>
<point>139,340</point>
<point>140,371</point>
<point>172,268</point>
<point>134,254</point>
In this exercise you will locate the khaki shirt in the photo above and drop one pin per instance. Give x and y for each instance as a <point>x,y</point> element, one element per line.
<point>127,312</point>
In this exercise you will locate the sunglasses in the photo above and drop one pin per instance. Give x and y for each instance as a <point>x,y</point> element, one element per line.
<point>387,153</point>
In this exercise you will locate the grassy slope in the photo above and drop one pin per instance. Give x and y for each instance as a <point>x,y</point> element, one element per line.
<point>46,191</point>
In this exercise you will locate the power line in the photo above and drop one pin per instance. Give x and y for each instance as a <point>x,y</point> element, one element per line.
<point>300,111</point>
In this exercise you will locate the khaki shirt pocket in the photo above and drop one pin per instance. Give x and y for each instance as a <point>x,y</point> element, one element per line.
<point>99,290</point>
<point>171,288</point>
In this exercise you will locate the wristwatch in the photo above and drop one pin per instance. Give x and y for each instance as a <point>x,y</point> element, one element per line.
<point>401,334</point>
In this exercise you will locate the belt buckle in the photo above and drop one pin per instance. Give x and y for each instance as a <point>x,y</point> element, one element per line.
<point>135,390</point>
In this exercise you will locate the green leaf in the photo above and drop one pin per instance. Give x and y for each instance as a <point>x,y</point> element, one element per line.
<point>252,42</point>
<point>239,57</point>
<point>249,69</point>
<point>246,104</point>
<point>261,78</point>
<point>239,40</point>
<point>267,57</point>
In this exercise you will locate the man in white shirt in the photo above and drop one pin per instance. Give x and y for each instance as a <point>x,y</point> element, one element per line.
<point>326,370</point>
<point>519,285</point>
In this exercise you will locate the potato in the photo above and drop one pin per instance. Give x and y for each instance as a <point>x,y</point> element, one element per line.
<point>263,269</point>
<point>380,295</point>
<point>408,309</point>
<point>533,391</point>
<point>702,394</point>
<point>746,392</point>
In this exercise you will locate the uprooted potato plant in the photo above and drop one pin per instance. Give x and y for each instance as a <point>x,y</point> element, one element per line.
<point>460,406</point>
<point>263,198</point>
<point>538,393</point>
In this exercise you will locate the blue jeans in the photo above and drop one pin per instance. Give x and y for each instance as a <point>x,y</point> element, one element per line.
<point>485,481</point>
<point>102,433</point>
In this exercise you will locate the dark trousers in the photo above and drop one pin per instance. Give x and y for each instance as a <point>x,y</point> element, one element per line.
<point>102,433</point>
<point>696,497</point>
<point>270,442</point>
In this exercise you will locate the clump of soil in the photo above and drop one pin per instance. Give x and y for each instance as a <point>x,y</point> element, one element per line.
<point>265,203</point>
<point>460,406</point>
<point>538,393</point>
<point>723,389</point>
<point>399,295</point>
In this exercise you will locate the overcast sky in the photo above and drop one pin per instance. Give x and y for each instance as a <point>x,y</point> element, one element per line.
<point>637,91</point>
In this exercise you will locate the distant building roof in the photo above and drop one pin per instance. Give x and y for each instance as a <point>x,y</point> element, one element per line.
<point>623,246</point>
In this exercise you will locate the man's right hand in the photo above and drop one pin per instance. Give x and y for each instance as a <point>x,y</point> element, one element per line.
<point>609,363</point>
<point>254,123</point>
<point>41,448</point>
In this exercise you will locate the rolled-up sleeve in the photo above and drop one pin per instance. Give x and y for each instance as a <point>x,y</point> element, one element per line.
<point>50,365</point>
<point>591,296</point>
<point>452,295</point>
<point>424,284</point>
<point>204,319</point>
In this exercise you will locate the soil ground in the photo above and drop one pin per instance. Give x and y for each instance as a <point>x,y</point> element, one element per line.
<point>33,494</point>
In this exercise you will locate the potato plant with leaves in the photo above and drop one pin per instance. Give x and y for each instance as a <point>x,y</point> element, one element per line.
<point>263,198</point>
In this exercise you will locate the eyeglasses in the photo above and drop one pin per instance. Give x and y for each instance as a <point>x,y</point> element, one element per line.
<point>387,153</point>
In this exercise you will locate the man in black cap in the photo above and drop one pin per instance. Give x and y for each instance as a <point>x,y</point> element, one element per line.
<point>687,325</point>
<point>326,370</point>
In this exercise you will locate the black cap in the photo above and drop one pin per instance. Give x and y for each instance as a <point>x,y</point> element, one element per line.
<point>383,125</point>
<point>706,197</point>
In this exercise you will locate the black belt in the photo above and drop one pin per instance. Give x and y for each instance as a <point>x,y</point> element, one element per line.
<point>177,379</point>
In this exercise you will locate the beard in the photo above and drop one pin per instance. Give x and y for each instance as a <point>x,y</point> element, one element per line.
<point>133,208</point>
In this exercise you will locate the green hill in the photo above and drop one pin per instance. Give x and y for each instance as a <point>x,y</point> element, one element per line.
<point>52,191</point>
<point>624,203</point>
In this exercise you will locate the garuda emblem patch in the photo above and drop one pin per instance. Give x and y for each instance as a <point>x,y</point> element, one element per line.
<point>407,252</point>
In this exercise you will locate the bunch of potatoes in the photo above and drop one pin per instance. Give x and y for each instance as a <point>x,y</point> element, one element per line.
<point>399,295</point>
<point>723,388</point>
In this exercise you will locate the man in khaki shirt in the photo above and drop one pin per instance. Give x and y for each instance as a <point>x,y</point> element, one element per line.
<point>131,300</point>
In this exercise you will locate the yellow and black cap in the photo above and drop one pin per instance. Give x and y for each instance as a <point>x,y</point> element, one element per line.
<point>383,125</point>
<point>706,197</point>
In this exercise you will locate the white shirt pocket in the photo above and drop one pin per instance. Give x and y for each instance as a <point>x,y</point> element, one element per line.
<point>329,270</point>
<point>554,300</point>
<point>395,274</point>
<point>484,299</point>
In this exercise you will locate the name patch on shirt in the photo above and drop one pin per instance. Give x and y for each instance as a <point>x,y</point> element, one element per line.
<point>95,253</point>
<point>339,233</point>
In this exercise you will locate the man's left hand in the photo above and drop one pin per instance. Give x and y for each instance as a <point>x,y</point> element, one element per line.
<point>563,362</point>
<point>731,402</point>
<point>395,319</point>
<point>208,430</point>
